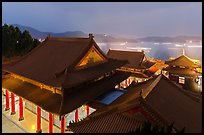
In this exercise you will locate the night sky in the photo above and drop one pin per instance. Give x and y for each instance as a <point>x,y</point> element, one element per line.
<point>136,19</point>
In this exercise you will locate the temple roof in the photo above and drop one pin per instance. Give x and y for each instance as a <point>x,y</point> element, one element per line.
<point>111,123</point>
<point>183,61</point>
<point>147,64</point>
<point>56,63</point>
<point>53,56</point>
<point>135,58</point>
<point>175,104</point>
<point>77,77</point>
<point>182,71</point>
<point>168,102</point>
<point>62,104</point>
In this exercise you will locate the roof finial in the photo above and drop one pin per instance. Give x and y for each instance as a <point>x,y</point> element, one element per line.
<point>183,51</point>
<point>91,35</point>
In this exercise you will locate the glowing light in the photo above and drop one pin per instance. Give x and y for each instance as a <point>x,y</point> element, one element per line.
<point>178,45</point>
<point>168,43</point>
<point>84,107</point>
<point>195,46</point>
<point>122,43</point>
<point>33,127</point>
<point>139,48</point>
<point>173,48</point>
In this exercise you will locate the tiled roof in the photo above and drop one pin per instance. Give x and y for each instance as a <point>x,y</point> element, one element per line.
<point>165,102</point>
<point>173,104</point>
<point>53,56</point>
<point>59,104</point>
<point>182,60</point>
<point>111,123</point>
<point>135,58</point>
<point>182,71</point>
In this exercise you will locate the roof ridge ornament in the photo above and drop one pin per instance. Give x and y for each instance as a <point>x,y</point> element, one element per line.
<point>183,51</point>
<point>91,36</point>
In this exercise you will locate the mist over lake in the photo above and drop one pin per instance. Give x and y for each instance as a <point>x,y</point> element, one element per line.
<point>162,51</point>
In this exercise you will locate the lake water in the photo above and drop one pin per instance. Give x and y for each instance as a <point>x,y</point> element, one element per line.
<point>160,51</point>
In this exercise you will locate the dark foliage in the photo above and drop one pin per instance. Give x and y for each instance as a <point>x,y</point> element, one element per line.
<point>15,42</point>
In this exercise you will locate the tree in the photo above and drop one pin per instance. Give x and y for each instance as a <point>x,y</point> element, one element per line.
<point>16,43</point>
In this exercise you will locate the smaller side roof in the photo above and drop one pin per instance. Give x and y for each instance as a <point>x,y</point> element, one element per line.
<point>111,123</point>
<point>135,58</point>
<point>147,64</point>
<point>184,61</point>
<point>182,71</point>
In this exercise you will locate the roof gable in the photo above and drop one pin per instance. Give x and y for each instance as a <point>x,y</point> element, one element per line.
<point>53,56</point>
<point>93,55</point>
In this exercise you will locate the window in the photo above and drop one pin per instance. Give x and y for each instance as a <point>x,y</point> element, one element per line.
<point>182,80</point>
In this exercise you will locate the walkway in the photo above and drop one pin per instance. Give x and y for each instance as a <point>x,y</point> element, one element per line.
<point>26,125</point>
<point>9,127</point>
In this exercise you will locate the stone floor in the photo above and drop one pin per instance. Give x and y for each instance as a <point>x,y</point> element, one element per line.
<point>26,125</point>
<point>9,127</point>
<point>29,122</point>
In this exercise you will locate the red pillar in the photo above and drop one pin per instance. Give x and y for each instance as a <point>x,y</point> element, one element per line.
<point>87,112</point>
<point>12,104</point>
<point>20,109</point>
<point>76,116</point>
<point>39,130</point>
<point>126,83</point>
<point>7,101</point>
<point>62,124</point>
<point>50,123</point>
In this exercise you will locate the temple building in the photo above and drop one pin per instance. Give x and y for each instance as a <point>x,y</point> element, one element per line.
<point>157,100</point>
<point>183,68</point>
<point>58,77</point>
<point>138,65</point>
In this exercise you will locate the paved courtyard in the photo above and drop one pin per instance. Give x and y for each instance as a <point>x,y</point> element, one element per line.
<point>8,126</point>
<point>26,125</point>
<point>10,123</point>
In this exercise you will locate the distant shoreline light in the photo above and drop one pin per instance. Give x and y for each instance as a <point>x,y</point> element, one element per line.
<point>168,43</point>
<point>195,46</point>
<point>139,48</point>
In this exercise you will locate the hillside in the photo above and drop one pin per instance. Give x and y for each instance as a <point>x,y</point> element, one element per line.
<point>101,38</point>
